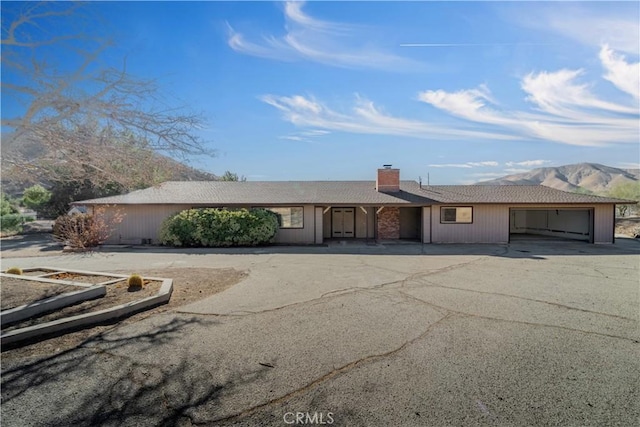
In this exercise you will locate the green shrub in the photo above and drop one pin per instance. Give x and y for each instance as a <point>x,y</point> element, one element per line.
<point>11,222</point>
<point>135,282</point>
<point>212,227</point>
<point>15,270</point>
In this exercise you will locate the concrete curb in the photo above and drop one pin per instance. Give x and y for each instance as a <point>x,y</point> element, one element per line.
<point>88,319</point>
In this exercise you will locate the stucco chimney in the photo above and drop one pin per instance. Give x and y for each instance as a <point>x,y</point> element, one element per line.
<point>388,180</point>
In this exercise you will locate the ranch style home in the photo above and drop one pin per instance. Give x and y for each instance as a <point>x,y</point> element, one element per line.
<point>313,212</point>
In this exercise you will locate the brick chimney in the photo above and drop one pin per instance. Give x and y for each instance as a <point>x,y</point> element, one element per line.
<point>388,180</point>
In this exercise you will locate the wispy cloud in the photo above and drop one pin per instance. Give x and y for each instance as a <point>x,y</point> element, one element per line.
<point>563,108</point>
<point>329,43</point>
<point>529,163</point>
<point>305,136</point>
<point>623,75</point>
<point>466,165</point>
<point>515,170</point>
<point>589,26</point>
<point>365,118</point>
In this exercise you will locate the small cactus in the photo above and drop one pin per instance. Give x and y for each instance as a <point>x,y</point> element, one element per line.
<point>15,270</point>
<point>135,282</point>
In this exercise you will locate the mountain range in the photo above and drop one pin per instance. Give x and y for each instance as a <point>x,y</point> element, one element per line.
<point>594,177</point>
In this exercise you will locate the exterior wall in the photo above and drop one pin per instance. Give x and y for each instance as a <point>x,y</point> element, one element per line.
<point>603,223</point>
<point>389,223</point>
<point>326,224</point>
<point>426,224</point>
<point>305,235</point>
<point>319,223</point>
<point>490,225</point>
<point>364,223</point>
<point>144,221</point>
<point>140,222</point>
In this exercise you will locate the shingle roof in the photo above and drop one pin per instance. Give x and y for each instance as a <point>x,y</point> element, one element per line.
<point>340,193</point>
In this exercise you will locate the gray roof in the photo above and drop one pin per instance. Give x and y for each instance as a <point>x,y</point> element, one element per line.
<point>226,193</point>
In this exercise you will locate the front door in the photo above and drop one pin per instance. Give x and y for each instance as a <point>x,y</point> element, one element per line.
<point>342,222</point>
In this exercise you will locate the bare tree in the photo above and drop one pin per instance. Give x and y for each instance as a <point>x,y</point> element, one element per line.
<point>94,121</point>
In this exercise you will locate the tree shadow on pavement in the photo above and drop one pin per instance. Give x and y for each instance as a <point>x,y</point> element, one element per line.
<point>104,381</point>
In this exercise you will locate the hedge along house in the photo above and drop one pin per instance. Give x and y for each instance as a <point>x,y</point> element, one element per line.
<point>312,212</point>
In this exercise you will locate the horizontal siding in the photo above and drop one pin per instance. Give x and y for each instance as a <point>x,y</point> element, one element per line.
<point>140,222</point>
<point>490,225</point>
<point>144,221</point>
<point>305,235</point>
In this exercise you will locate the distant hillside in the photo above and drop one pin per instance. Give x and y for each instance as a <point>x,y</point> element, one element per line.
<point>31,151</point>
<point>590,176</point>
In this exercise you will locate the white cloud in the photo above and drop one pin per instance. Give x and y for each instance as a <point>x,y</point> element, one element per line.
<point>563,109</point>
<point>623,75</point>
<point>614,26</point>
<point>466,165</point>
<point>329,43</point>
<point>305,136</point>
<point>531,163</point>
<point>490,163</point>
<point>515,170</point>
<point>488,174</point>
<point>629,165</point>
<point>365,118</point>
<point>451,165</point>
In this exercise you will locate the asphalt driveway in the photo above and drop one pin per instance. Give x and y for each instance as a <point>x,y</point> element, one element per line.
<point>524,334</point>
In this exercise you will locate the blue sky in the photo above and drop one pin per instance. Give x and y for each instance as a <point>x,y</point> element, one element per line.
<point>462,91</point>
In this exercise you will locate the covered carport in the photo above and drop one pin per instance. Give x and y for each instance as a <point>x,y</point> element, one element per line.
<point>552,222</point>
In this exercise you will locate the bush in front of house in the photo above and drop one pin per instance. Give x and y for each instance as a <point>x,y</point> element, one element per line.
<point>84,230</point>
<point>212,227</point>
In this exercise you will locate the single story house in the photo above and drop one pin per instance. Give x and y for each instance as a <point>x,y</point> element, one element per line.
<point>312,212</point>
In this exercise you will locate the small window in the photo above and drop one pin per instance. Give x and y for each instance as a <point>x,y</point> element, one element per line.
<point>289,217</point>
<point>457,215</point>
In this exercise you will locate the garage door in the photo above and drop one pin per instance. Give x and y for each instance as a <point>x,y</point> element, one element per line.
<point>575,224</point>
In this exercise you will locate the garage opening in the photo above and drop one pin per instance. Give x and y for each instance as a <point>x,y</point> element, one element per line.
<point>561,223</point>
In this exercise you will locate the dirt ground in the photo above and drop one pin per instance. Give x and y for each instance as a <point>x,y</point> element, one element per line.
<point>16,292</point>
<point>628,226</point>
<point>189,285</point>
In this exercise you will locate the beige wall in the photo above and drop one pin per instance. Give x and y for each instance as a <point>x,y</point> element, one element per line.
<point>140,222</point>
<point>603,223</point>
<point>426,224</point>
<point>490,225</point>
<point>304,235</point>
<point>144,221</point>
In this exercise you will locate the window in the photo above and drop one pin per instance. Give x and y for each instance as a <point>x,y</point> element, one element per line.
<point>457,215</point>
<point>289,217</point>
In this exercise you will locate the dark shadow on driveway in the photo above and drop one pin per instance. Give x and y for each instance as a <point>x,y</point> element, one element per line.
<point>105,381</point>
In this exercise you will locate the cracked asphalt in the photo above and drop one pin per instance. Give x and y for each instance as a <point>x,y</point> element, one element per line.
<point>404,335</point>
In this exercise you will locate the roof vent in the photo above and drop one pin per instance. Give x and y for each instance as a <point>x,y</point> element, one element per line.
<point>387,166</point>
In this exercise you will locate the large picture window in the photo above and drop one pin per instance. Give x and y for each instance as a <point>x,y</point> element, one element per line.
<point>289,217</point>
<point>456,215</point>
